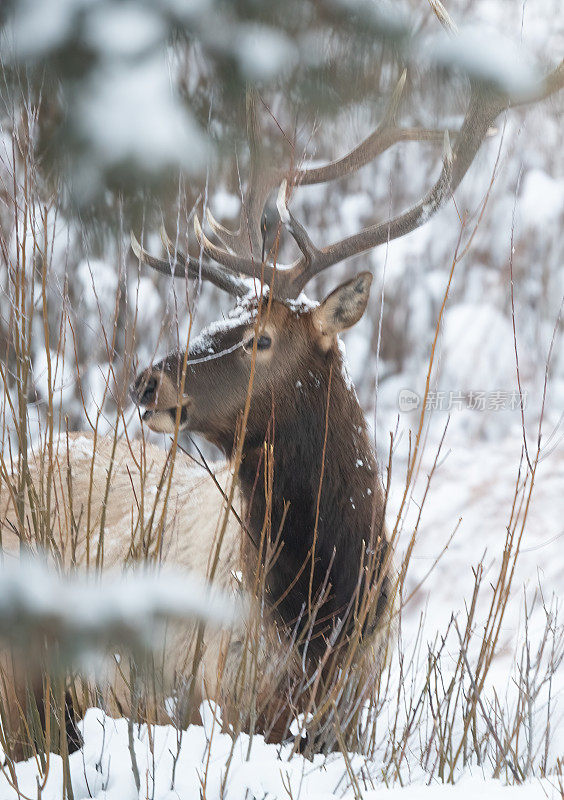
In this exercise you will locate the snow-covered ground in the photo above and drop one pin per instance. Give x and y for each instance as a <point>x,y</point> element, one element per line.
<point>474,484</point>
<point>257,771</point>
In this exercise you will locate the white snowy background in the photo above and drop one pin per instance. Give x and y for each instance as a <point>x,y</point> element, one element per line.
<point>473,485</point>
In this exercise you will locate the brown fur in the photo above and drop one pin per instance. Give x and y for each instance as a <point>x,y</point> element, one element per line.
<point>308,475</point>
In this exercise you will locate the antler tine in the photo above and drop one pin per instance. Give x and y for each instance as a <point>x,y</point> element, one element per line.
<point>395,100</point>
<point>206,271</point>
<point>373,146</point>
<point>297,230</point>
<point>443,16</point>
<point>381,139</point>
<point>246,241</point>
<point>185,266</point>
<point>175,268</point>
<point>259,184</point>
<point>169,245</point>
<point>234,263</point>
<point>225,236</point>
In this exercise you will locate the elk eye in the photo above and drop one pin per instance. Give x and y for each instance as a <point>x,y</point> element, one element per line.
<point>263,343</point>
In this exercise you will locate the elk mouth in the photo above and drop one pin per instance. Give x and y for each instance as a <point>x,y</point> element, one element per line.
<point>158,400</point>
<point>164,420</point>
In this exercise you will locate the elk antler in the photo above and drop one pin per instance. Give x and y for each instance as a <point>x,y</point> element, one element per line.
<point>241,253</point>
<point>179,266</point>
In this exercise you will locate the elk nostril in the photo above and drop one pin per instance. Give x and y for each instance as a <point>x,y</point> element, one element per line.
<point>145,389</point>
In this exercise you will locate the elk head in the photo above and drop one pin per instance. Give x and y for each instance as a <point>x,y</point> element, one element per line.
<point>282,344</point>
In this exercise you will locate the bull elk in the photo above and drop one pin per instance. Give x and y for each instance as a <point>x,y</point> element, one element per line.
<point>303,530</point>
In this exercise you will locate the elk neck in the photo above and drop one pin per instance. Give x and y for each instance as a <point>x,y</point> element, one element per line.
<point>317,436</point>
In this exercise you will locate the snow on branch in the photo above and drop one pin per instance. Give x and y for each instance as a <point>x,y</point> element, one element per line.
<point>491,59</point>
<point>82,614</point>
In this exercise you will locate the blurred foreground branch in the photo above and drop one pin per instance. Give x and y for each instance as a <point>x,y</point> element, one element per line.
<point>82,615</point>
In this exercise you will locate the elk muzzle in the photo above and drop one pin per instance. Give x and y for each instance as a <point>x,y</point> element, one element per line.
<point>143,391</point>
<point>159,395</point>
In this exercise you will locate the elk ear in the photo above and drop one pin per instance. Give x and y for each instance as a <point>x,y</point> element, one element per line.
<point>344,306</point>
